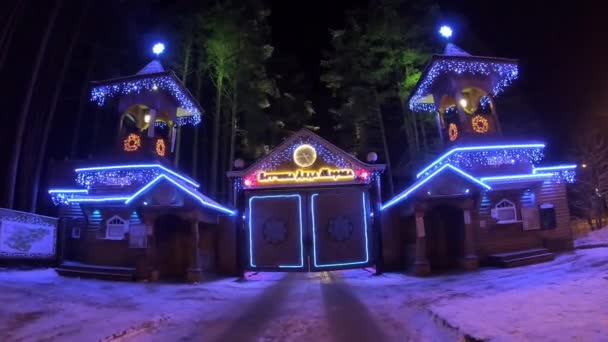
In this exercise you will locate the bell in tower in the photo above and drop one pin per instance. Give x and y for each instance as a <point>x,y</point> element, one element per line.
<point>461,89</point>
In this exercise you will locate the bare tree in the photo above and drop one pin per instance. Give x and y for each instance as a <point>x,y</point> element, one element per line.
<point>53,107</point>
<point>25,108</point>
<point>591,187</point>
<point>6,37</point>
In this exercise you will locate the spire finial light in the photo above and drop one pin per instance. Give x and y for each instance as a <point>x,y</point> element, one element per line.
<point>445,31</point>
<point>158,48</point>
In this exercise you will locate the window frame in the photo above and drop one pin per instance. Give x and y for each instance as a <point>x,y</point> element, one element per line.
<point>110,224</point>
<point>547,208</point>
<point>75,232</point>
<point>511,207</point>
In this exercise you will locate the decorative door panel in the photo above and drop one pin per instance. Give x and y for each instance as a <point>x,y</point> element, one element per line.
<point>339,226</point>
<point>276,231</point>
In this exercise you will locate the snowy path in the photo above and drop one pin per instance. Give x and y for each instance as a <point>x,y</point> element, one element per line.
<point>307,307</point>
<point>562,300</point>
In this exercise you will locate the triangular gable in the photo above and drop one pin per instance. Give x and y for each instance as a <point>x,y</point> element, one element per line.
<point>454,50</point>
<point>419,184</point>
<point>151,68</point>
<point>306,159</point>
<point>195,195</point>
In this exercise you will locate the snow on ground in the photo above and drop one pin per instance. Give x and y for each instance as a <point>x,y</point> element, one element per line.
<point>593,238</point>
<point>562,300</point>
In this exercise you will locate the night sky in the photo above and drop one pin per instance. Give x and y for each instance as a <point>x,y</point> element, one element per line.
<point>560,46</point>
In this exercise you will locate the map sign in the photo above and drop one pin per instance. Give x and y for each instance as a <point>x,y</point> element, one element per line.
<point>26,236</point>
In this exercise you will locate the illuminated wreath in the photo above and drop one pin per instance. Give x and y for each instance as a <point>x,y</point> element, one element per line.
<point>160,147</point>
<point>453,131</point>
<point>132,142</point>
<point>480,124</point>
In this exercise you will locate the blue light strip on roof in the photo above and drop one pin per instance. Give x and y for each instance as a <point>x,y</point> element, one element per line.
<point>414,187</point>
<point>314,237</point>
<point>129,198</point>
<point>554,168</point>
<point>98,199</point>
<point>139,166</point>
<point>188,191</point>
<point>144,188</point>
<point>476,148</point>
<point>515,177</point>
<point>68,191</point>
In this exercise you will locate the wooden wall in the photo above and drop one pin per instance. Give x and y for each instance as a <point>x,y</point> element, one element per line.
<point>499,238</point>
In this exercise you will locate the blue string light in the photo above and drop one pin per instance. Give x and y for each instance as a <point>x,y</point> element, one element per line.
<point>124,175</point>
<point>71,195</point>
<point>102,93</point>
<point>407,192</point>
<point>506,73</point>
<point>561,173</point>
<point>472,156</point>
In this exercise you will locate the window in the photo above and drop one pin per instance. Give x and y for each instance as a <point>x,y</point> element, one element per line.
<point>75,232</point>
<point>547,216</point>
<point>505,211</point>
<point>116,228</point>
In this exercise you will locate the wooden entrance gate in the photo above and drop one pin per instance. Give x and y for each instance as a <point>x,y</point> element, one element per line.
<point>315,230</point>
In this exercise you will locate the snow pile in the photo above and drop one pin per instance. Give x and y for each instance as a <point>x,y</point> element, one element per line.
<point>596,238</point>
<point>565,300</point>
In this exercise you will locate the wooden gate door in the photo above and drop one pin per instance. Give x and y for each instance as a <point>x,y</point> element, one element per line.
<point>302,231</point>
<point>276,232</point>
<point>339,226</point>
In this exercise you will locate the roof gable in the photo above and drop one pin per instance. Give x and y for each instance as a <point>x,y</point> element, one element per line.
<point>196,196</point>
<point>424,182</point>
<point>328,164</point>
<point>151,68</point>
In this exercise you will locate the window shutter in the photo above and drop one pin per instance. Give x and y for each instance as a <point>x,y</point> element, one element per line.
<point>530,218</point>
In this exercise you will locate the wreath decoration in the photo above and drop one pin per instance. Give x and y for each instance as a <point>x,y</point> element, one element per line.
<point>453,131</point>
<point>161,149</point>
<point>132,142</point>
<point>480,124</point>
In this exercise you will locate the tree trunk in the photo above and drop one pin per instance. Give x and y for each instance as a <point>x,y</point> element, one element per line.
<point>84,99</point>
<point>178,142</point>
<point>233,126</point>
<point>53,107</point>
<point>195,149</point>
<point>215,136</point>
<point>409,134</point>
<point>223,162</point>
<point>389,173</point>
<point>25,108</point>
<point>416,138</point>
<point>9,31</point>
<point>424,144</point>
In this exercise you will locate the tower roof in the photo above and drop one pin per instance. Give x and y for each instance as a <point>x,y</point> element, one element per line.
<point>151,78</point>
<point>454,50</point>
<point>151,68</point>
<point>456,62</point>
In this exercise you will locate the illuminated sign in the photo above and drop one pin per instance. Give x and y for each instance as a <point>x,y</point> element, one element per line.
<point>302,176</point>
